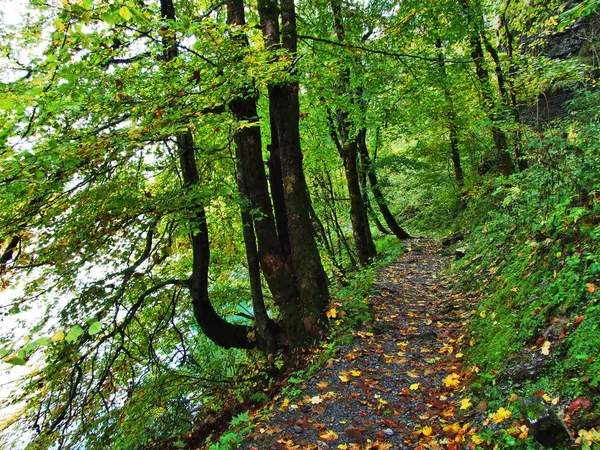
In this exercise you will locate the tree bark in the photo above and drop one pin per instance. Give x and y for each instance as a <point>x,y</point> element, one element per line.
<point>277,194</point>
<point>253,182</point>
<point>217,329</point>
<point>304,319</point>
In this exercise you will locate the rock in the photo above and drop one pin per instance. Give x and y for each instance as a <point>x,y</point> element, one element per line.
<point>388,432</point>
<point>544,424</point>
<point>525,365</point>
<point>297,429</point>
<point>453,239</point>
<point>460,252</point>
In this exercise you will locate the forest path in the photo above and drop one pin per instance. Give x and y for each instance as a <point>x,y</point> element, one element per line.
<point>397,385</point>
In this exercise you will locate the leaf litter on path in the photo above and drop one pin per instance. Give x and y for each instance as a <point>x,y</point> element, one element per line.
<point>397,385</point>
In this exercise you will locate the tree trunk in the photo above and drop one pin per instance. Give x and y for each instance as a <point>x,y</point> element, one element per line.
<point>474,19</point>
<point>217,329</point>
<point>253,182</point>
<point>277,194</point>
<point>305,318</point>
<point>346,141</point>
<point>387,215</point>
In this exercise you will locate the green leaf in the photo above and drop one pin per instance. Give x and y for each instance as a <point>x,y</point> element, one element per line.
<point>125,13</point>
<point>31,347</point>
<point>74,333</point>
<point>16,361</point>
<point>95,328</point>
<point>46,341</point>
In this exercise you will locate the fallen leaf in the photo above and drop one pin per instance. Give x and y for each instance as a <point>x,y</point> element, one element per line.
<point>316,400</point>
<point>426,431</point>
<point>465,403</point>
<point>328,436</point>
<point>500,416</point>
<point>578,320</point>
<point>414,386</point>
<point>322,385</point>
<point>590,287</point>
<point>343,378</point>
<point>355,373</point>
<point>331,314</point>
<point>546,348</point>
<point>452,381</point>
<point>412,374</point>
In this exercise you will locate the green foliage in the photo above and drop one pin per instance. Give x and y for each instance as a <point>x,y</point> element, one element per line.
<point>533,260</point>
<point>234,437</point>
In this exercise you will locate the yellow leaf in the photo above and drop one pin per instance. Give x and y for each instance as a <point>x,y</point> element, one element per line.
<point>482,314</point>
<point>426,431</point>
<point>343,378</point>
<point>513,398</point>
<point>459,355</point>
<point>546,348</point>
<point>452,380</point>
<point>58,336</point>
<point>590,287</point>
<point>465,403</point>
<point>328,436</point>
<point>414,386</point>
<point>251,336</point>
<point>355,373</point>
<point>547,398</point>
<point>500,416</point>
<point>476,439</point>
<point>316,400</point>
<point>285,404</point>
<point>332,313</point>
<point>342,447</point>
<point>412,374</point>
<point>125,13</point>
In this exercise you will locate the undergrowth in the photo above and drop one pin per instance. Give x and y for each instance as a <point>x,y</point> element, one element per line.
<point>534,261</point>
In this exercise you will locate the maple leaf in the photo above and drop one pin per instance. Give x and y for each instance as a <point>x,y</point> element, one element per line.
<point>520,432</point>
<point>355,373</point>
<point>500,416</point>
<point>328,436</point>
<point>414,386</point>
<point>322,385</point>
<point>316,400</point>
<point>343,378</point>
<point>332,313</point>
<point>426,431</point>
<point>465,403</point>
<point>452,381</point>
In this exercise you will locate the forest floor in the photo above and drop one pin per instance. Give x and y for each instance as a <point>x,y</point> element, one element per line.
<point>398,384</point>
